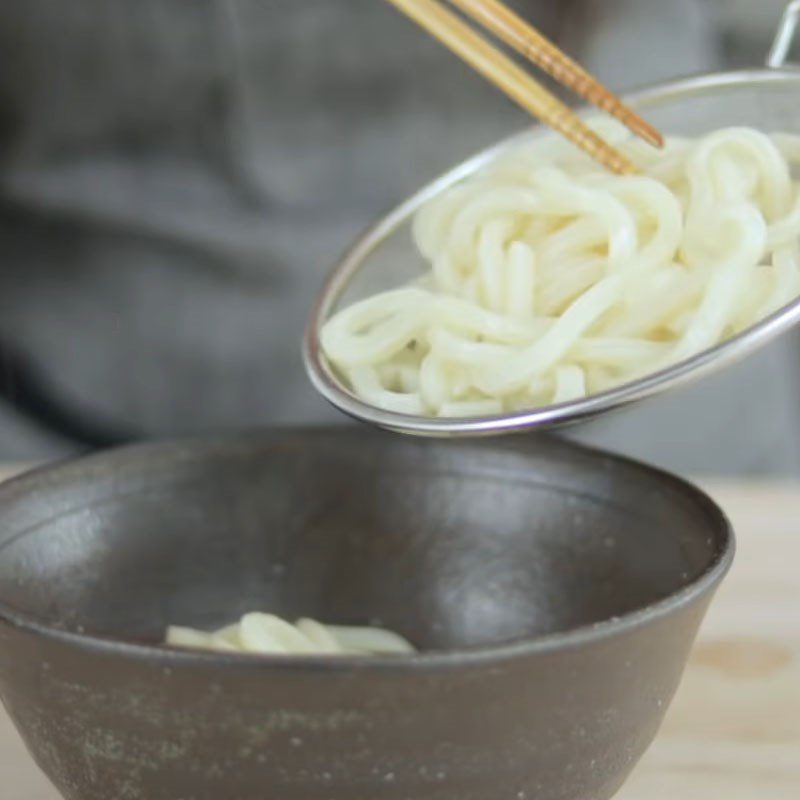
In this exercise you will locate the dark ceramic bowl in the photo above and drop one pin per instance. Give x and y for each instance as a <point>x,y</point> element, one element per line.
<point>556,592</point>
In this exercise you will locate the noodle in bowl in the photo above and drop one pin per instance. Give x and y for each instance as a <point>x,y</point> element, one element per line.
<point>258,633</point>
<point>550,281</point>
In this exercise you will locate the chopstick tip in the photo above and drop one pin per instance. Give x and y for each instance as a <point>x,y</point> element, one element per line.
<point>647,132</point>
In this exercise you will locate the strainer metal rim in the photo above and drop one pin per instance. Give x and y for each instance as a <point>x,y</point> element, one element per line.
<point>329,385</point>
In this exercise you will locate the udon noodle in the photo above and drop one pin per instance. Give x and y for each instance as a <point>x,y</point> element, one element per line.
<point>550,280</point>
<point>267,634</point>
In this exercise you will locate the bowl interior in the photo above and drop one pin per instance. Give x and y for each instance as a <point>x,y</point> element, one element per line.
<point>450,544</point>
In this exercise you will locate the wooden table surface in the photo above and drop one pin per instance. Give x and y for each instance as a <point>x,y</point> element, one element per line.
<point>733,732</point>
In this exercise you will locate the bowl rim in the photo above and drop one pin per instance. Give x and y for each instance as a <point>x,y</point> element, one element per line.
<point>16,489</point>
<point>333,389</point>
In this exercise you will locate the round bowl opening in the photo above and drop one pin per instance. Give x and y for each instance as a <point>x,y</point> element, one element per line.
<point>453,545</point>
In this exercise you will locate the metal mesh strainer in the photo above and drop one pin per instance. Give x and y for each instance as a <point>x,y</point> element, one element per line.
<point>385,256</point>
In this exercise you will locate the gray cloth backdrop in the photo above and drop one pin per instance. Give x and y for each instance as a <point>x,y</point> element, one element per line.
<point>177,177</point>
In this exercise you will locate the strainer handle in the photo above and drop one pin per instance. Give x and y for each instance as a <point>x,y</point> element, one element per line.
<point>784,38</point>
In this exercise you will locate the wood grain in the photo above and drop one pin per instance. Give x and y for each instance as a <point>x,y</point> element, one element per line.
<point>734,729</point>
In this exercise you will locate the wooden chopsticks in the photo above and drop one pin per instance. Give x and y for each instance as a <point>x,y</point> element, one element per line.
<point>498,68</point>
<point>508,26</point>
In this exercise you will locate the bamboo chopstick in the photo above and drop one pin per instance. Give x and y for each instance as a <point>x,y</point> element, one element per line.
<point>499,69</point>
<point>508,26</point>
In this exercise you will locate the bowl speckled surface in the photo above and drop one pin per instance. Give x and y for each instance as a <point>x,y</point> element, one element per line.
<point>555,590</point>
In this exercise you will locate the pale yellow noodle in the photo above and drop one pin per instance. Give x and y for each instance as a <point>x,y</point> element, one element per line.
<point>550,279</point>
<point>267,634</point>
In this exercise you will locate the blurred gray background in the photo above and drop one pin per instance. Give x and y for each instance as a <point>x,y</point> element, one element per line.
<point>177,177</point>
